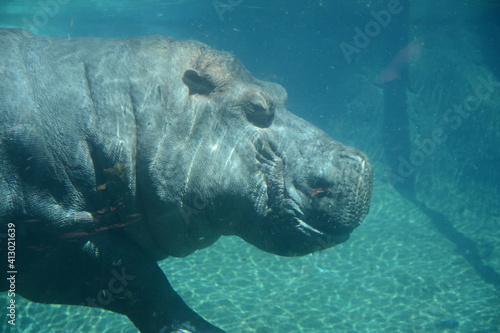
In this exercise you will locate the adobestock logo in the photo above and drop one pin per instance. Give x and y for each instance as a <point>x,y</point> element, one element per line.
<point>453,118</point>
<point>46,9</point>
<point>198,204</point>
<point>372,29</point>
<point>116,287</point>
<point>222,7</point>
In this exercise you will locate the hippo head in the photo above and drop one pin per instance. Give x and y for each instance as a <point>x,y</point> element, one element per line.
<point>235,161</point>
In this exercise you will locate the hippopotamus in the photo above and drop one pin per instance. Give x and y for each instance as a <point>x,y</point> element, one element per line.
<point>118,153</point>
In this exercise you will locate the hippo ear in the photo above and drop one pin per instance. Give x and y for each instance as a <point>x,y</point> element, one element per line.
<point>197,83</point>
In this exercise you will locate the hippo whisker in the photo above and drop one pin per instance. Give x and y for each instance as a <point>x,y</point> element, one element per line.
<point>304,226</point>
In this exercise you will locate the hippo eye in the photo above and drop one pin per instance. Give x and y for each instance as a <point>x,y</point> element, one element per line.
<point>197,83</point>
<point>260,111</point>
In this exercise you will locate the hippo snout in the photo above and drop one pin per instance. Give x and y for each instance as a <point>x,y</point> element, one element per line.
<point>341,199</point>
<point>316,191</point>
<point>336,196</point>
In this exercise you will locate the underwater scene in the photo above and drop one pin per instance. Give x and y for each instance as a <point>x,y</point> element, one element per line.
<point>315,236</point>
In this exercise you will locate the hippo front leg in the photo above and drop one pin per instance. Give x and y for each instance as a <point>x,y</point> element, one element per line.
<point>110,272</point>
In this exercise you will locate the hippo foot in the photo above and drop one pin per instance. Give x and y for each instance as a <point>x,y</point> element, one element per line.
<point>108,271</point>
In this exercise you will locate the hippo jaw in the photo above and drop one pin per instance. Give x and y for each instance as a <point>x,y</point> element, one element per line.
<point>312,201</point>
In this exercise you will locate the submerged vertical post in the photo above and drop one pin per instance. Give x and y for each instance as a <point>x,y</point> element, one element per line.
<point>396,131</point>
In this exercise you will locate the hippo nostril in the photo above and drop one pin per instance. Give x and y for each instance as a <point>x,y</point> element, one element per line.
<point>357,158</point>
<point>358,161</point>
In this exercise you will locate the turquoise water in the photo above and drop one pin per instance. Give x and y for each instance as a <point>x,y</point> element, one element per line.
<point>427,256</point>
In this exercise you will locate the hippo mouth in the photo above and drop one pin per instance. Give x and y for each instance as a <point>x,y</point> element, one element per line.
<point>314,212</point>
<point>337,206</point>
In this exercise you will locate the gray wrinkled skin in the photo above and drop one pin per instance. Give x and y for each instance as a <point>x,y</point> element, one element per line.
<point>172,143</point>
